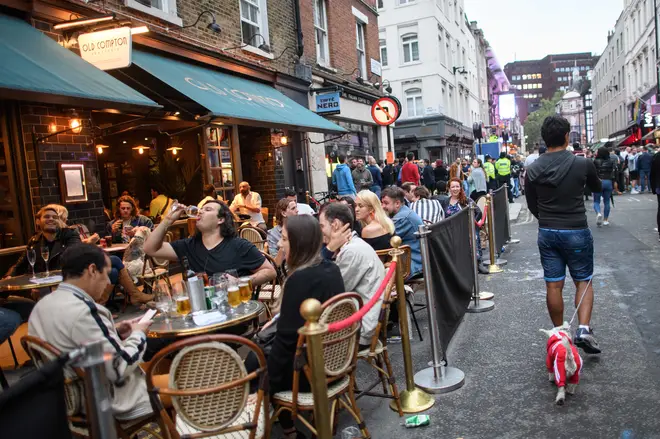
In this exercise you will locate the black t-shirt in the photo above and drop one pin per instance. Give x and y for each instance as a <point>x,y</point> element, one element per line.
<point>232,253</point>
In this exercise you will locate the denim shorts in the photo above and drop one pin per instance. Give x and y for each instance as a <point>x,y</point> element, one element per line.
<point>561,248</point>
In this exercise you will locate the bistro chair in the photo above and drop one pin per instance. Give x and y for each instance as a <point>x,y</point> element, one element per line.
<point>155,270</point>
<point>209,387</point>
<point>255,235</point>
<point>270,293</point>
<point>42,352</point>
<point>340,360</point>
<point>376,355</point>
<point>264,213</point>
<point>405,261</point>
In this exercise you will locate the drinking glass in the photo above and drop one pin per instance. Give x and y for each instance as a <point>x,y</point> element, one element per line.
<point>191,211</point>
<point>351,433</point>
<point>245,290</point>
<point>182,300</point>
<point>45,254</point>
<point>220,283</point>
<point>233,293</point>
<point>32,258</point>
<point>163,302</point>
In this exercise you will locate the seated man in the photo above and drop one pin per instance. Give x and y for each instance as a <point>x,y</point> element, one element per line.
<point>360,266</point>
<point>408,189</point>
<point>127,218</point>
<point>406,224</point>
<point>249,203</point>
<point>158,205</point>
<point>50,235</point>
<point>209,194</point>
<point>215,248</point>
<point>428,210</point>
<point>303,209</point>
<point>70,317</point>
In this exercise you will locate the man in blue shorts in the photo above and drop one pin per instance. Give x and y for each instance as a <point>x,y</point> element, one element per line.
<point>554,188</point>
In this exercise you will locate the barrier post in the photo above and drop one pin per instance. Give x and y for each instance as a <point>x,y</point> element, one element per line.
<point>508,227</point>
<point>493,267</point>
<point>413,399</point>
<point>477,305</point>
<point>307,197</point>
<point>311,311</point>
<point>438,378</point>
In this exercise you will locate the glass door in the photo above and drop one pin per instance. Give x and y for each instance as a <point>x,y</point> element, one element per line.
<point>221,161</point>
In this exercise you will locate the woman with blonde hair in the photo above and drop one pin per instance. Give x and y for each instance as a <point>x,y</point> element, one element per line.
<point>377,227</point>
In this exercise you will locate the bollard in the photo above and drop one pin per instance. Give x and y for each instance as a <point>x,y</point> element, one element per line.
<point>477,305</point>
<point>438,378</point>
<point>508,225</point>
<point>413,400</point>
<point>493,267</point>
<point>314,331</point>
<point>307,197</point>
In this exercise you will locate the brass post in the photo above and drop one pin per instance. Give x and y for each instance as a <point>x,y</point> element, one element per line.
<point>314,331</point>
<point>307,197</point>
<point>413,399</point>
<point>493,267</point>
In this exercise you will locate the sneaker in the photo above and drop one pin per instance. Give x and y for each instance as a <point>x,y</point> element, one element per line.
<point>634,192</point>
<point>585,340</point>
<point>599,220</point>
<point>606,223</point>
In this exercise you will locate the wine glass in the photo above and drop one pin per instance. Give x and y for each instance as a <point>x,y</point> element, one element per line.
<point>32,258</point>
<point>45,254</point>
<point>163,302</point>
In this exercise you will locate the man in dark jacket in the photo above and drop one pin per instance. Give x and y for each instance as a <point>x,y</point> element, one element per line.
<point>428,177</point>
<point>389,175</point>
<point>655,183</point>
<point>644,167</point>
<point>554,189</point>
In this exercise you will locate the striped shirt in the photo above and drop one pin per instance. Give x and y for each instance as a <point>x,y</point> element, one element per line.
<point>428,210</point>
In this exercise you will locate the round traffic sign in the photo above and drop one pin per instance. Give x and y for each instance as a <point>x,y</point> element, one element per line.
<point>385,111</point>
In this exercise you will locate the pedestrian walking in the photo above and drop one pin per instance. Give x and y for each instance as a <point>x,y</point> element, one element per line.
<point>410,171</point>
<point>342,179</point>
<point>606,168</point>
<point>554,189</point>
<point>644,167</point>
<point>440,172</point>
<point>489,168</point>
<point>428,176</point>
<point>376,174</point>
<point>477,180</point>
<point>655,185</point>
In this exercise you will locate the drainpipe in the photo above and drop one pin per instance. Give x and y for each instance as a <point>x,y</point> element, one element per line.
<point>299,34</point>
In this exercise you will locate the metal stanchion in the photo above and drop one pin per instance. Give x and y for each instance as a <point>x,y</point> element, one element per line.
<point>508,226</point>
<point>97,396</point>
<point>477,305</point>
<point>499,261</point>
<point>307,197</point>
<point>438,378</point>
<point>413,399</point>
<point>492,266</point>
<point>311,311</point>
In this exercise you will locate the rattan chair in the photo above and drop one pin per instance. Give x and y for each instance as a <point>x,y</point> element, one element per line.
<point>42,352</point>
<point>340,358</point>
<point>377,356</point>
<point>209,387</point>
<point>255,235</point>
<point>270,293</point>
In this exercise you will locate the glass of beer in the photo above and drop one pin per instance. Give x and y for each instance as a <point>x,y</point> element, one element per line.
<point>181,299</point>
<point>245,289</point>
<point>233,297</point>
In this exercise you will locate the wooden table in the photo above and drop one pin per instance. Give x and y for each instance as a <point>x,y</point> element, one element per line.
<point>26,283</point>
<point>176,327</point>
<point>115,248</point>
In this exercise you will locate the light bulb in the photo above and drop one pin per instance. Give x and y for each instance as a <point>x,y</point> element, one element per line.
<point>141,150</point>
<point>100,150</point>
<point>52,128</point>
<point>75,125</point>
<point>284,140</point>
<point>174,151</point>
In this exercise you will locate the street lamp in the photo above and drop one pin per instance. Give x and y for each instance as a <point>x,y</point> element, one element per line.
<point>460,70</point>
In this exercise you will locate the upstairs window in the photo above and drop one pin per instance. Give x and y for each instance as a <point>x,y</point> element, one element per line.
<point>410,46</point>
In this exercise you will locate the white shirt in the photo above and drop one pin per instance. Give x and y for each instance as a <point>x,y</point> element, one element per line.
<point>305,209</point>
<point>253,199</point>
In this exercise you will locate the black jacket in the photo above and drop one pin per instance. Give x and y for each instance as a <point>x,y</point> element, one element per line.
<point>606,168</point>
<point>388,175</point>
<point>655,173</point>
<point>64,238</point>
<point>441,174</point>
<point>554,188</point>
<point>428,177</point>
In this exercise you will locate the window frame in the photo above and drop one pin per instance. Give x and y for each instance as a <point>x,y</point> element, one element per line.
<point>382,48</point>
<point>414,93</point>
<point>262,24</point>
<point>324,44</point>
<point>168,13</point>
<point>414,39</point>
<point>360,31</point>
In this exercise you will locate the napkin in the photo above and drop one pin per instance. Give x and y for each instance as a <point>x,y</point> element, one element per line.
<point>47,280</point>
<point>209,318</point>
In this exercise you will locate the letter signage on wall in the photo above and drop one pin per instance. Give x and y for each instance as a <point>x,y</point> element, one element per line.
<point>108,49</point>
<point>328,103</point>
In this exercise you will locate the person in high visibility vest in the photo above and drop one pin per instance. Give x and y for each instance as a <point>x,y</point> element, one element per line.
<point>503,168</point>
<point>490,173</point>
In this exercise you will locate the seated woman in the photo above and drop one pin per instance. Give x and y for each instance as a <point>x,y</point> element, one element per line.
<point>127,217</point>
<point>285,208</point>
<point>377,227</point>
<point>310,277</point>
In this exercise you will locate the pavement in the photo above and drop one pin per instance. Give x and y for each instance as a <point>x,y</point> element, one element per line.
<point>502,353</point>
<point>514,211</point>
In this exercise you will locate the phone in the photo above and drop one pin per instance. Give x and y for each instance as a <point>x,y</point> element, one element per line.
<point>147,316</point>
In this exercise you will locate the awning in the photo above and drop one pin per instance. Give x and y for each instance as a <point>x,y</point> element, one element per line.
<point>233,99</point>
<point>652,134</point>
<point>627,141</point>
<point>36,68</point>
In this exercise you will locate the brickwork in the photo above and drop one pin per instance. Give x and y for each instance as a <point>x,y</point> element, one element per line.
<point>66,147</point>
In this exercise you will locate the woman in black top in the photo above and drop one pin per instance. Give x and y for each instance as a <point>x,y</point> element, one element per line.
<point>310,277</point>
<point>606,168</point>
<point>377,227</point>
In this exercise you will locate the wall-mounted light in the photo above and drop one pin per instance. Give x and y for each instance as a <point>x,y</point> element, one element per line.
<point>140,148</point>
<point>83,22</point>
<point>174,150</point>
<point>52,128</point>
<point>100,148</point>
<point>76,125</point>
<point>213,26</point>
<point>284,140</point>
<point>139,30</point>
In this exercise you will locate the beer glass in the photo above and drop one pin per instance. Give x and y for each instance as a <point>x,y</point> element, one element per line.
<point>182,300</point>
<point>245,292</point>
<point>233,293</point>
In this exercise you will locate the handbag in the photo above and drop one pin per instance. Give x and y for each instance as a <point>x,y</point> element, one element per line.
<point>265,338</point>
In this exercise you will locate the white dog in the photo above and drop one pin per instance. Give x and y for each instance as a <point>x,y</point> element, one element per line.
<point>562,361</point>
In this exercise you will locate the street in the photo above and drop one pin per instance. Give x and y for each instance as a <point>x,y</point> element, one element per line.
<point>506,392</point>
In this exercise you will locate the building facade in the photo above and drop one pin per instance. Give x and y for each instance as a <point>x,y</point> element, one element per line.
<point>541,79</point>
<point>429,54</point>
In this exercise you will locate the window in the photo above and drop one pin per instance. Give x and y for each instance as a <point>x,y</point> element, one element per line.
<point>321,27</point>
<point>524,77</point>
<point>539,76</point>
<point>447,49</point>
<point>361,52</point>
<point>410,48</point>
<point>254,21</point>
<point>163,9</point>
<point>414,104</point>
<point>441,55</point>
<point>383,52</point>
<point>380,4</point>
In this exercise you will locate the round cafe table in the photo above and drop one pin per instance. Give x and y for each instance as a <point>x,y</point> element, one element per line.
<point>26,283</point>
<point>245,314</point>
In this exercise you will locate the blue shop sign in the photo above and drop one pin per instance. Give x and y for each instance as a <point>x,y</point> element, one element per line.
<point>328,103</point>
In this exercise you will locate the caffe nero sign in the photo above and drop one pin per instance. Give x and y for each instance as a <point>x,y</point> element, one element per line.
<point>328,103</point>
<point>108,49</point>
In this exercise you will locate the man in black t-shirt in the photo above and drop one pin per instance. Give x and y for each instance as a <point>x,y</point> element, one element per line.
<point>215,248</point>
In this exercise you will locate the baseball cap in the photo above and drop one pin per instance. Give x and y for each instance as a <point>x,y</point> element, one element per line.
<point>543,149</point>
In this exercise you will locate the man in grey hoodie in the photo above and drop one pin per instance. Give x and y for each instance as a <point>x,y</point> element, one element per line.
<point>554,188</point>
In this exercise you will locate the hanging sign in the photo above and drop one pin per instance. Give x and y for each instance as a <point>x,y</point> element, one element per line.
<point>385,111</point>
<point>328,103</point>
<point>107,49</point>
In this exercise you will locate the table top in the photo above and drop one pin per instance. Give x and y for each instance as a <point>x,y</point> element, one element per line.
<point>115,248</point>
<point>25,282</point>
<point>177,327</point>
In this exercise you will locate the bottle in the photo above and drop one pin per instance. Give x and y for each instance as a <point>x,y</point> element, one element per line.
<point>195,288</point>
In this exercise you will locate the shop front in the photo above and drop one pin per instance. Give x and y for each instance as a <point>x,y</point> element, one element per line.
<point>433,138</point>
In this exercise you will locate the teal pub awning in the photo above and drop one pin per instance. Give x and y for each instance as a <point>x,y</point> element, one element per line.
<point>234,99</point>
<point>36,68</point>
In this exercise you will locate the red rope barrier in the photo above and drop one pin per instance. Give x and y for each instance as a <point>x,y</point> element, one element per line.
<point>343,324</point>
<point>483,218</point>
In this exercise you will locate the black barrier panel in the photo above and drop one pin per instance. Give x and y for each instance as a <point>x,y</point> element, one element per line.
<point>451,271</point>
<point>501,202</point>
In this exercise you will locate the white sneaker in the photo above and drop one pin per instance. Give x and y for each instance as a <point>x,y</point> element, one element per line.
<point>599,220</point>
<point>634,192</point>
<point>606,223</point>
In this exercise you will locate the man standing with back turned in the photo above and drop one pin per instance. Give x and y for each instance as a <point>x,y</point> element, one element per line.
<point>554,189</point>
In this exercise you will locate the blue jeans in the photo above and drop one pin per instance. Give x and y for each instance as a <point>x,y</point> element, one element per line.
<point>516,187</point>
<point>9,321</point>
<point>117,266</point>
<point>376,190</point>
<point>561,248</point>
<point>607,197</point>
<point>642,180</point>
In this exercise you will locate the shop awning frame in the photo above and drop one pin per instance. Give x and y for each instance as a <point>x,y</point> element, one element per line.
<point>36,68</point>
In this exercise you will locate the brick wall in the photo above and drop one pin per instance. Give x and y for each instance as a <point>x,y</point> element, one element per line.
<point>67,147</point>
